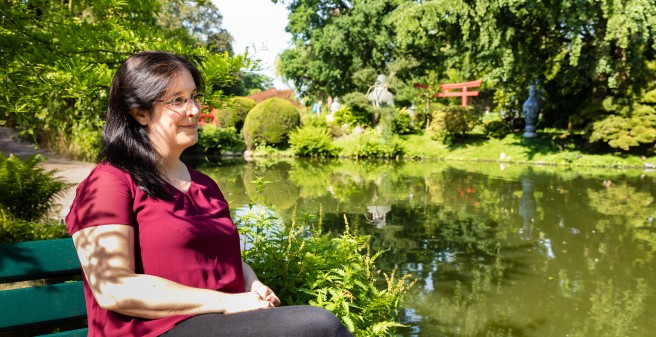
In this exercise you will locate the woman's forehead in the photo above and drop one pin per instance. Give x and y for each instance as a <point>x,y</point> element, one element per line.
<point>181,83</point>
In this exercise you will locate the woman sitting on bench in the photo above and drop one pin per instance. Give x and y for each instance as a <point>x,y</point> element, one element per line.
<point>158,248</point>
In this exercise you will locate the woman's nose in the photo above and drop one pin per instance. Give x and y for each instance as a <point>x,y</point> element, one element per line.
<point>194,109</point>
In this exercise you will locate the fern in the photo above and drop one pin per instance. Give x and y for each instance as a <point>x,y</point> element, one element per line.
<point>27,190</point>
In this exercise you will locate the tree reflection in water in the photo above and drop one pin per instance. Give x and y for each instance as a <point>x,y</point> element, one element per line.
<point>523,251</point>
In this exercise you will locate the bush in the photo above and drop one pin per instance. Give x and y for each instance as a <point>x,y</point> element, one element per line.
<point>213,139</point>
<point>17,230</point>
<point>28,190</point>
<point>371,145</point>
<point>355,110</point>
<point>314,120</point>
<point>234,114</point>
<point>626,132</point>
<point>453,121</point>
<point>339,274</point>
<point>312,141</point>
<point>495,126</point>
<point>402,124</point>
<point>270,122</point>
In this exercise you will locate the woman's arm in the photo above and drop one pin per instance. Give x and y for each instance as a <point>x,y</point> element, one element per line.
<point>253,284</point>
<point>107,257</point>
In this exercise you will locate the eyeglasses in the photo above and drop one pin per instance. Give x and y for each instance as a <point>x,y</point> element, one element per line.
<point>180,102</point>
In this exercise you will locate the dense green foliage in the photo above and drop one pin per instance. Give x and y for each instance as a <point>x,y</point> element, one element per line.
<point>581,53</point>
<point>312,141</point>
<point>335,43</point>
<point>632,126</point>
<point>270,122</point>
<point>28,190</point>
<point>403,123</point>
<point>494,125</point>
<point>18,230</point>
<point>338,273</point>
<point>217,140</point>
<point>356,110</point>
<point>234,114</point>
<point>58,60</point>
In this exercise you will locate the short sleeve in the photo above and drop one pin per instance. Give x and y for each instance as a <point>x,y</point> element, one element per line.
<point>103,198</point>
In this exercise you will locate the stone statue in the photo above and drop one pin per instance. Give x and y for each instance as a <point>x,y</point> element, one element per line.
<point>378,95</point>
<point>531,110</point>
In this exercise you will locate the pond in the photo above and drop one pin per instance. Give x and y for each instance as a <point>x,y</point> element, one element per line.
<point>497,249</point>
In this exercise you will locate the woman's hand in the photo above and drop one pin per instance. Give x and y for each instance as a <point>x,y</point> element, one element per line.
<point>242,302</point>
<point>265,293</point>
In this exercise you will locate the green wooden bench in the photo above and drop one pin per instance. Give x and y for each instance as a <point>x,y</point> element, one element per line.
<point>56,304</point>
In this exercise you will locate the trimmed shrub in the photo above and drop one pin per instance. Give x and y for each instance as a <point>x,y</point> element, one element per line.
<point>213,139</point>
<point>312,141</point>
<point>28,190</point>
<point>453,122</point>
<point>270,122</point>
<point>234,114</point>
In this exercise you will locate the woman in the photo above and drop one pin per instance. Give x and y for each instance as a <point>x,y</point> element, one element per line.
<point>159,251</point>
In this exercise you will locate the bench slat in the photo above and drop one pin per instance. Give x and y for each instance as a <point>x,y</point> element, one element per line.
<point>37,259</point>
<point>51,303</point>
<point>72,333</point>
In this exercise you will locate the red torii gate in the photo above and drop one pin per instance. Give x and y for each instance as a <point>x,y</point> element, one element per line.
<point>464,93</point>
<point>207,116</point>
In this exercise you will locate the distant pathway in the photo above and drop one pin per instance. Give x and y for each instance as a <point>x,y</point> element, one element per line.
<point>71,170</point>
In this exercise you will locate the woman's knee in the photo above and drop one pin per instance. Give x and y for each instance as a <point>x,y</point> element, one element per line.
<point>324,322</point>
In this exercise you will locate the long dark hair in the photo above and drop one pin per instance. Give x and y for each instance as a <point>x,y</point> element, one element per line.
<point>139,82</point>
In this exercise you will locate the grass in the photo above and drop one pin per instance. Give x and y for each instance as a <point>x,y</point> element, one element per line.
<point>546,149</point>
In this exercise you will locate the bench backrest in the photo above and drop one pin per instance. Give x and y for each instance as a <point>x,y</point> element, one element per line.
<point>37,305</point>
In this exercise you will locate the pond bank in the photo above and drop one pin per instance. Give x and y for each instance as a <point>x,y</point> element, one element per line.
<point>548,149</point>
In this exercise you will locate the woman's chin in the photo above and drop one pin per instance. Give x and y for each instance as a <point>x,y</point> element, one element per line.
<point>188,140</point>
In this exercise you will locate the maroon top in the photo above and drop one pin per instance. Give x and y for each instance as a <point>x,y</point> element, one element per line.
<point>190,240</point>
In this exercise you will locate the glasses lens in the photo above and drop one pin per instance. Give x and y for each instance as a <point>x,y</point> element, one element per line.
<point>178,101</point>
<point>200,98</point>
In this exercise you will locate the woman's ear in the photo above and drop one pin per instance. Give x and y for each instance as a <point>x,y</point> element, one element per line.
<point>142,117</point>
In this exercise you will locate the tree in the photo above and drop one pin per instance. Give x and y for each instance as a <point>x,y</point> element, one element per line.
<point>201,19</point>
<point>249,82</point>
<point>338,46</point>
<point>579,51</point>
<point>592,59</point>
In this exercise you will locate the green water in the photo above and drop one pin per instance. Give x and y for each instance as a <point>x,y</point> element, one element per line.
<point>497,250</point>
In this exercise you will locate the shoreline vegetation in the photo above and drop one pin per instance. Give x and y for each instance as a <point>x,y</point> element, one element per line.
<point>548,149</point>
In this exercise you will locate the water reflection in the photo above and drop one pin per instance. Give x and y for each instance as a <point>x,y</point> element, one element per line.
<point>518,251</point>
<point>527,206</point>
<point>378,215</point>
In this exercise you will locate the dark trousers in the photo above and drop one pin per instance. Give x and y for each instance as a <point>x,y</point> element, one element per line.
<point>291,321</point>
